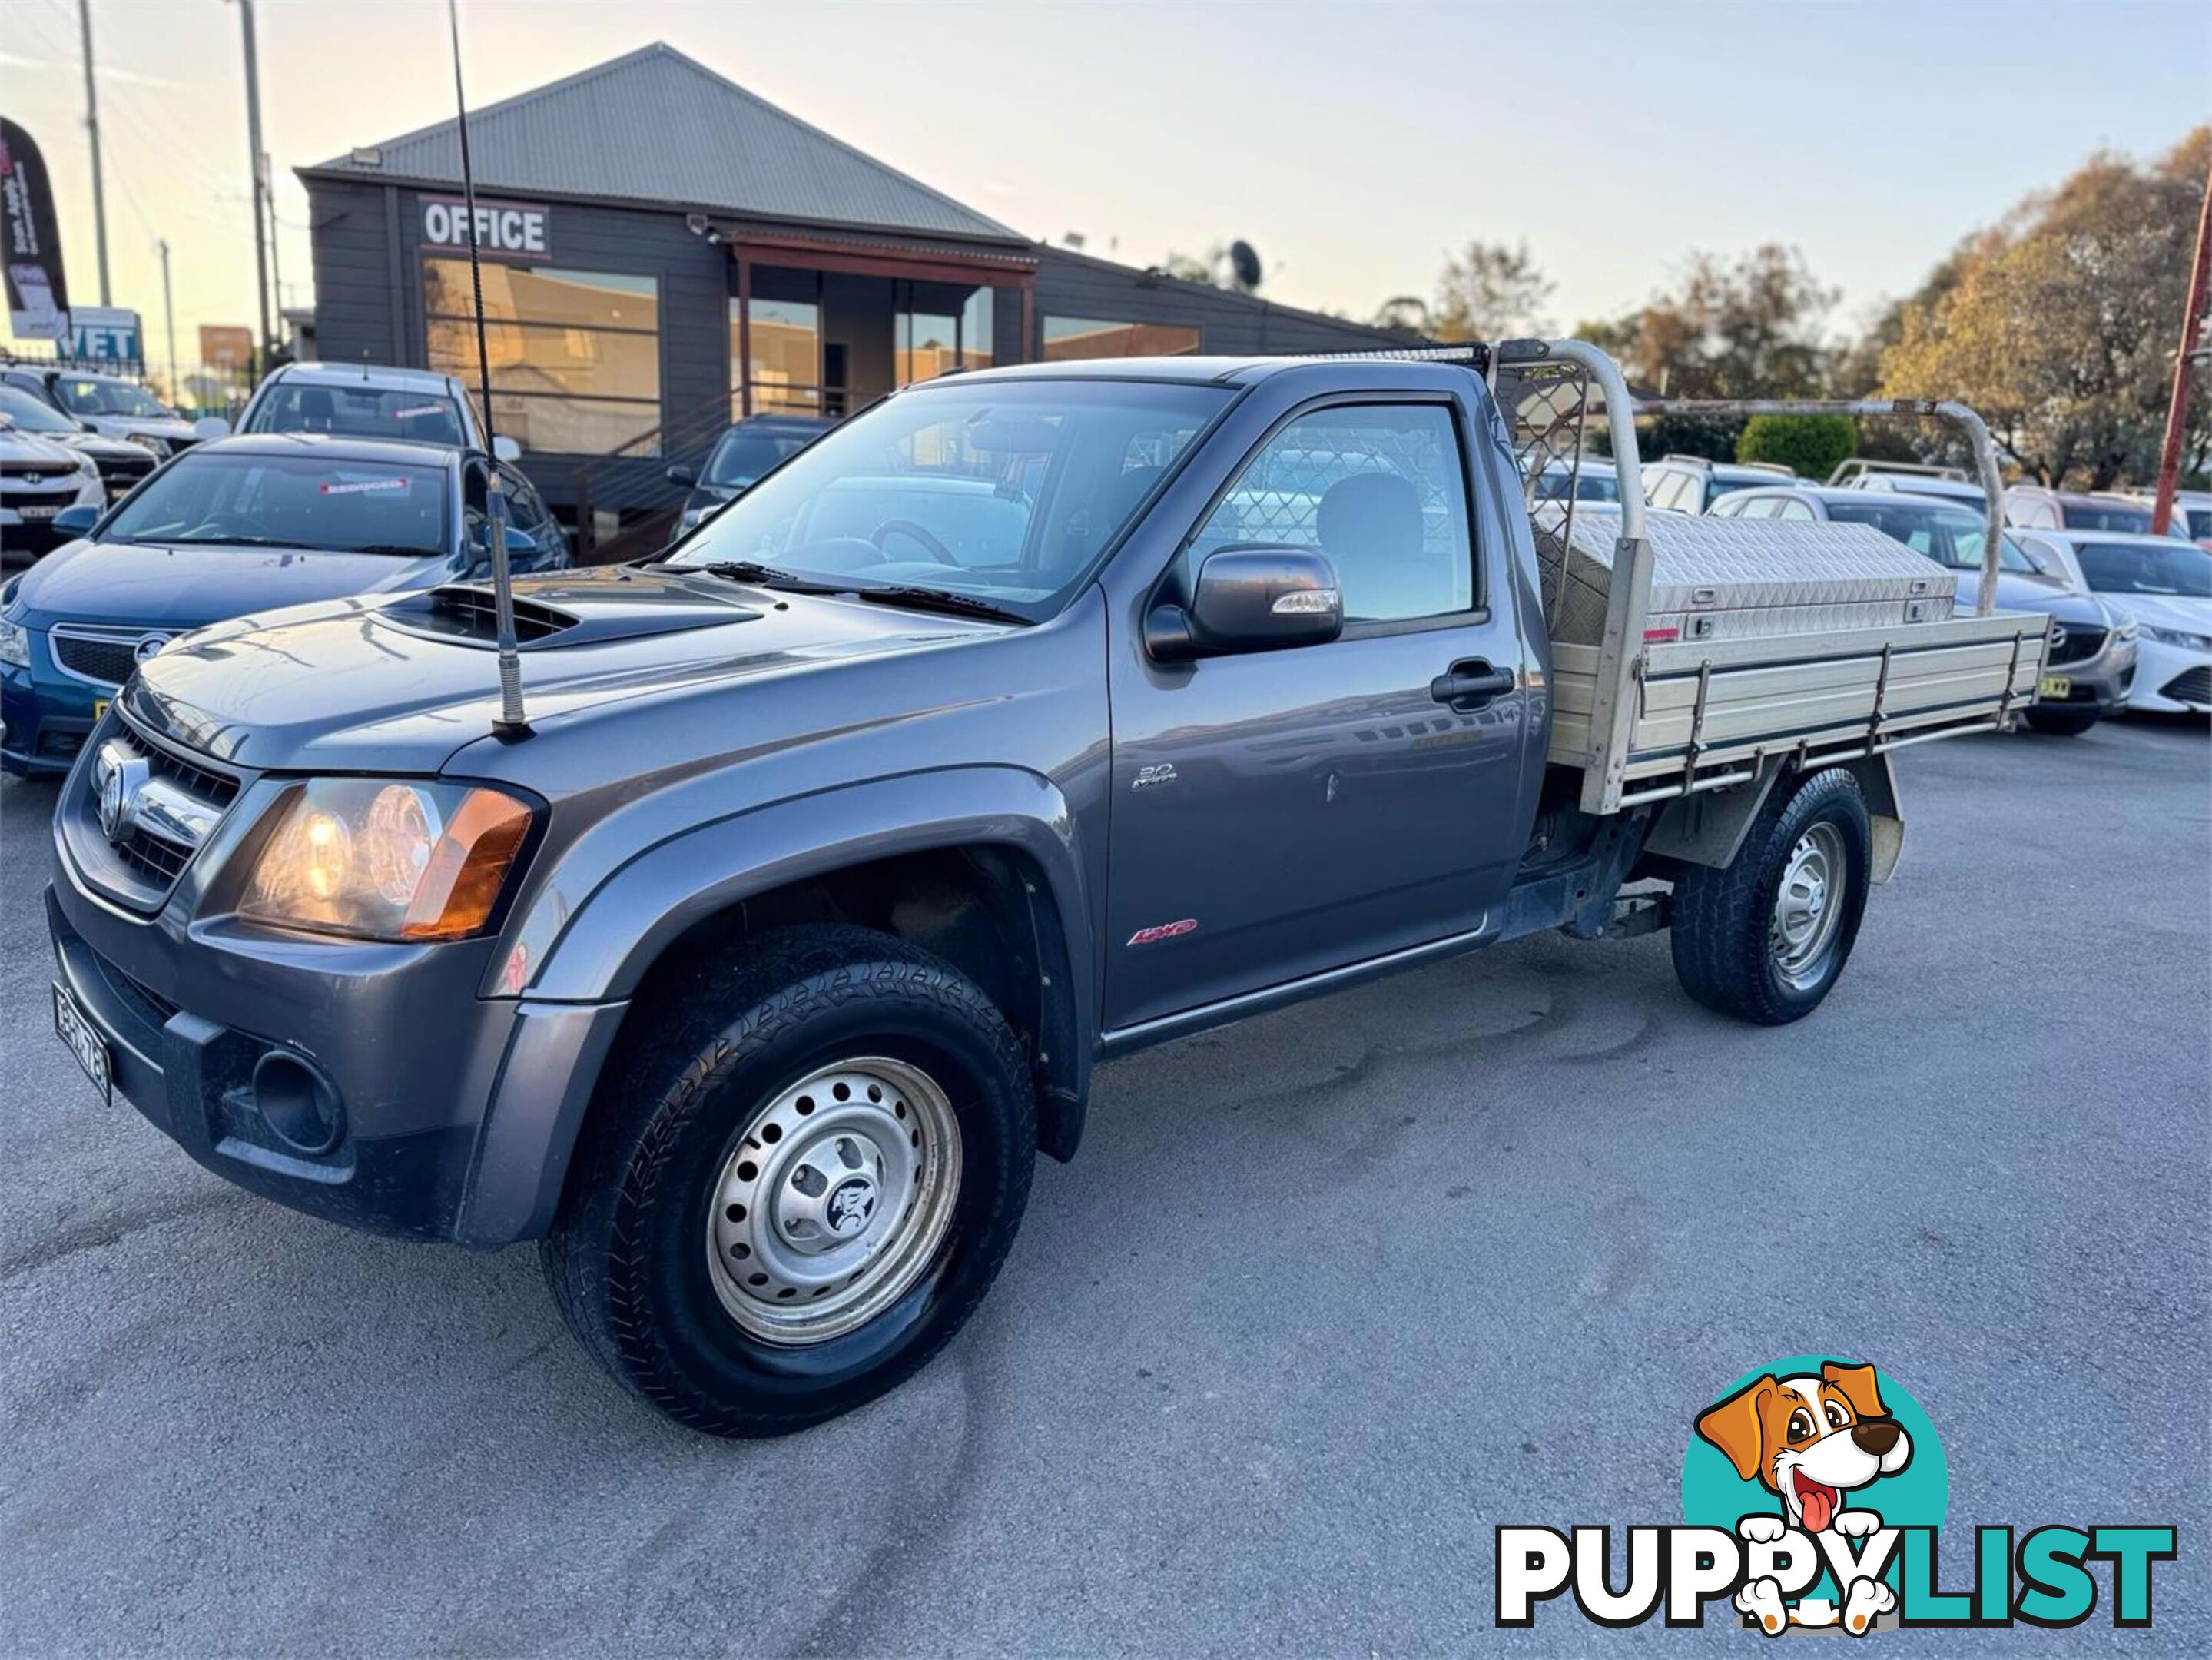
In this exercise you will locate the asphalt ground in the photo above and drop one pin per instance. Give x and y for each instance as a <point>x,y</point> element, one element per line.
<point>1324,1298</point>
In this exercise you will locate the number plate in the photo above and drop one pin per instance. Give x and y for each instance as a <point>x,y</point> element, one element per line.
<point>2054,685</point>
<point>30,514</point>
<point>75,1028</point>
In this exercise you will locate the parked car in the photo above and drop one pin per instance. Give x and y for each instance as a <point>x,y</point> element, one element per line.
<point>122,461</point>
<point>2192,512</point>
<point>370,400</point>
<point>241,525</point>
<point>40,480</point>
<point>2167,587</point>
<point>738,459</point>
<point>1960,491</point>
<point>752,967</point>
<point>1690,483</point>
<point>2032,507</point>
<point>1593,481</point>
<point>109,403</point>
<point>2091,663</point>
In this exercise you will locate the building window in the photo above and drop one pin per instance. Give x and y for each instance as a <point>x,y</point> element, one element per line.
<point>787,366</point>
<point>575,355</point>
<point>1068,339</point>
<point>941,328</point>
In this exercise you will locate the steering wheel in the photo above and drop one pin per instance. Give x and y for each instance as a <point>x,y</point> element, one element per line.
<point>935,548</point>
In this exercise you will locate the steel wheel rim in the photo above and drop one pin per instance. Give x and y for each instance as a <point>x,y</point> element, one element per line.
<point>834,1200</point>
<point>1808,906</point>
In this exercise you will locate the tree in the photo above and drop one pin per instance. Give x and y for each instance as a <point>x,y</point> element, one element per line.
<point>1749,329</point>
<point>1810,446</point>
<point>1490,292</point>
<point>2060,326</point>
<point>1199,268</point>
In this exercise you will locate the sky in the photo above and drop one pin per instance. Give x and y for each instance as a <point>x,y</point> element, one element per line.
<point>1353,145</point>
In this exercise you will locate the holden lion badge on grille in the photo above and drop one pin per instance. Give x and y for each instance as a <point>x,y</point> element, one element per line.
<point>120,778</point>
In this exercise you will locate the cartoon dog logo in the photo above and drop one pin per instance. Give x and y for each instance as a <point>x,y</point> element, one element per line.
<point>1811,1439</point>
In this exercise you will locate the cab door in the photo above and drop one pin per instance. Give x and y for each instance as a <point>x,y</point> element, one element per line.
<point>1277,814</point>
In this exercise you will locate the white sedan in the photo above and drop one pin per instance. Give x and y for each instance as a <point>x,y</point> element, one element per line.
<point>2165,585</point>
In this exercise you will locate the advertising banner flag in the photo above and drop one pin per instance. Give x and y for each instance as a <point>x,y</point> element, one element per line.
<point>30,240</point>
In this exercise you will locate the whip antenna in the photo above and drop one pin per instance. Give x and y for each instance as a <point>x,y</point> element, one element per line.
<point>510,723</point>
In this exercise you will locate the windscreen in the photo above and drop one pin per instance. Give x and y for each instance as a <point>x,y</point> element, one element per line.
<point>359,412</point>
<point>1950,536</point>
<point>1589,486</point>
<point>311,502</point>
<point>1005,491</point>
<point>741,456</point>
<point>2106,515</point>
<point>2178,571</point>
<point>89,395</point>
<point>28,414</point>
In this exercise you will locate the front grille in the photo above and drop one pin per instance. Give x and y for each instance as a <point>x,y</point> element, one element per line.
<point>119,475</point>
<point>29,469</point>
<point>106,655</point>
<point>2075,643</point>
<point>58,491</point>
<point>156,853</point>
<point>2193,687</point>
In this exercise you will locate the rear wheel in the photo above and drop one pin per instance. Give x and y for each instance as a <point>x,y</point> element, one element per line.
<point>2061,723</point>
<point>800,1182</point>
<point>1765,937</point>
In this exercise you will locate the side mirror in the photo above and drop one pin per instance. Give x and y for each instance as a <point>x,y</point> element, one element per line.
<point>1251,599</point>
<point>210,427</point>
<point>687,476</point>
<point>77,521</point>
<point>504,449</point>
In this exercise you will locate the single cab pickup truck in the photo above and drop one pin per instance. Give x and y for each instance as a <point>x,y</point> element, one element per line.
<point>1029,718</point>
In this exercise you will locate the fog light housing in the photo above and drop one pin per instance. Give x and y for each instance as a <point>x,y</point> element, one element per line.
<point>297,1102</point>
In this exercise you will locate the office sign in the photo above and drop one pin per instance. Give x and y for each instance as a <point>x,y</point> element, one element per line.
<point>104,334</point>
<point>30,240</point>
<point>505,230</point>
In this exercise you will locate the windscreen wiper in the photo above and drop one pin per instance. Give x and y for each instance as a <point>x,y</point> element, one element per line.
<point>766,576</point>
<point>938,600</point>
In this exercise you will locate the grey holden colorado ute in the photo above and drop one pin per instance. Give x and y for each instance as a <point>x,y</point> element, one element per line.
<point>1031,717</point>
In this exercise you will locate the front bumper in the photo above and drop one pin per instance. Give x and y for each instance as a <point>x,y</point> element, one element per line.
<point>2172,679</point>
<point>2102,680</point>
<point>452,1115</point>
<point>48,716</point>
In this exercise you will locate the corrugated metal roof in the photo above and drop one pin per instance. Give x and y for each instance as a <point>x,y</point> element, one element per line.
<point>654,125</point>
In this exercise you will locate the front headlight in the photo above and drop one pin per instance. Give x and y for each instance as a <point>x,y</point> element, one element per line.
<point>2176,637</point>
<point>15,644</point>
<point>379,859</point>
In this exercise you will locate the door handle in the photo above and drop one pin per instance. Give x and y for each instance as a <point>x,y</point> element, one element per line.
<point>1469,685</point>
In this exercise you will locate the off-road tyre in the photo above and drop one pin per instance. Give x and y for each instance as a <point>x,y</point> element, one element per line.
<point>1724,921</point>
<point>627,1259</point>
<point>2061,723</point>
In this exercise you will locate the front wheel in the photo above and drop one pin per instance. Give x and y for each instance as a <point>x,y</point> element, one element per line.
<point>2061,723</point>
<point>1765,937</point>
<point>798,1182</point>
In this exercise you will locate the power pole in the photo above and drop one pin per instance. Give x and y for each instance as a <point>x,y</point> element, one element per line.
<point>2177,412</point>
<point>169,315</point>
<point>260,184</point>
<point>92,131</point>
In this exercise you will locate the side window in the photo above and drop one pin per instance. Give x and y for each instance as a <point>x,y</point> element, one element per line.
<point>476,520</point>
<point>1790,509</point>
<point>1380,490</point>
<point>1657,481</point>
<point>525,506</point>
